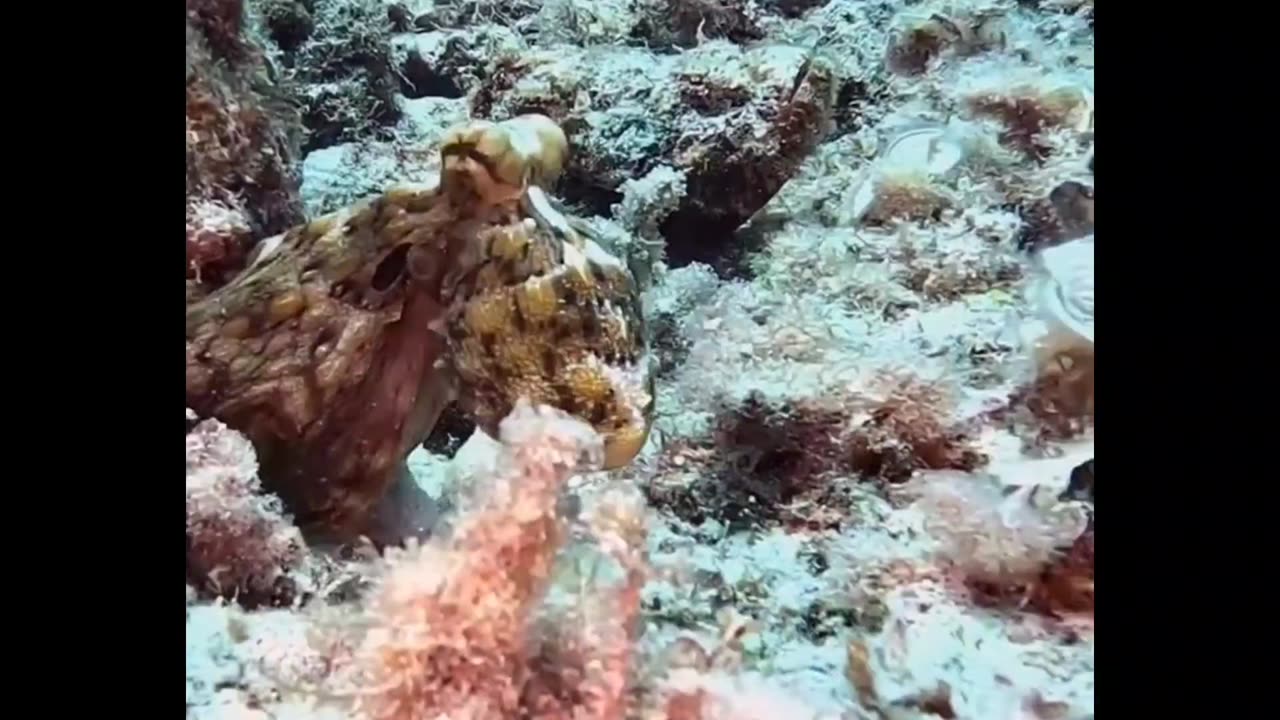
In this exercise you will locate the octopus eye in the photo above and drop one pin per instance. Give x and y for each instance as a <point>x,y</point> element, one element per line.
<point>390,269</point>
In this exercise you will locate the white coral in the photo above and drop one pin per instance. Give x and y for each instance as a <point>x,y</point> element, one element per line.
<point>1064,295</point>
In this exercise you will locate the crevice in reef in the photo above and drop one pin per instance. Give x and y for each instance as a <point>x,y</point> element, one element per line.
<point>694,236</point>
<point>418,79</point>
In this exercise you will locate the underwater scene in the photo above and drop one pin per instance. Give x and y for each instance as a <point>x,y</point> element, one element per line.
<point>639,359</point>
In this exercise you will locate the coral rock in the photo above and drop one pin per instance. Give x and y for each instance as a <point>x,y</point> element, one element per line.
<point>756,114</point>
<point>241,147</point>
<point>239,542</point>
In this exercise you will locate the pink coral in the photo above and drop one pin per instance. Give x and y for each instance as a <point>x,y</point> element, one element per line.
<point>450,619</point>
<point>583,660</point>
<point>239,542</point>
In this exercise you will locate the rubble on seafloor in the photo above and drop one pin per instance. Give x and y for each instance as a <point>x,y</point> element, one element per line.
<point>865,230</point>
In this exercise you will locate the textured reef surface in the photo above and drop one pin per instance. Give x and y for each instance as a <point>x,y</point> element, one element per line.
<point>640,359</point>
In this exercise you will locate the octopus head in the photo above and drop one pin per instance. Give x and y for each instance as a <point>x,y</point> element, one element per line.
<point>538,310</point>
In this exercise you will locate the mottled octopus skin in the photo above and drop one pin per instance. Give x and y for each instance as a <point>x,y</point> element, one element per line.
<point>553,318</point>
<point>337,349</point>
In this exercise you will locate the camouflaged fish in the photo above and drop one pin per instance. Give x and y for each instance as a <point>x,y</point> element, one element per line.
<point>337,349</point>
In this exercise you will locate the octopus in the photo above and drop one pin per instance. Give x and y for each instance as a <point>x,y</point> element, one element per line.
<point>339,347</point>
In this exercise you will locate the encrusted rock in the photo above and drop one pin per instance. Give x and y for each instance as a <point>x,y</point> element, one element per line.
<point>242,146</point>
<point>738,122</point>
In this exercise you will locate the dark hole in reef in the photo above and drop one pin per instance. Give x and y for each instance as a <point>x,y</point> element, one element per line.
<point>795,8</point>
<point>693,236</point>
<point>578,190</point>
<point>418,79</point>
<point>320,133</point>
<point>290,28</point>
<point>400,18</point>
<point>1080,486</point>
<point>390,269</point>
<point>820,622</point>
<point>451,430</point>
<point>852,100</point>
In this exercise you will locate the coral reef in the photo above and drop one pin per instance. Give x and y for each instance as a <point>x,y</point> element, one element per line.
<point>735,122</point>
<point>942,33</point>
<point>927,664</point>
<point>991,538</point>
<point>710,685</point>
<point>859,240</point>
<point>470,624</point>
<point>786,463</point>
<point>449,626</point>
<point>1065,214</point>
<point>336,56</point>
<point>1058,402</point>
<point>688,23</point>
<point>288,23</point>
<point>243,137</point>
<point>239,541</point>
<point>1066,586</point>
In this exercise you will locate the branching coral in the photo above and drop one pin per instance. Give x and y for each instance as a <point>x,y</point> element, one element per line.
<point>450,622</point>
<point>582,660</point>
<point>239,543</point>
